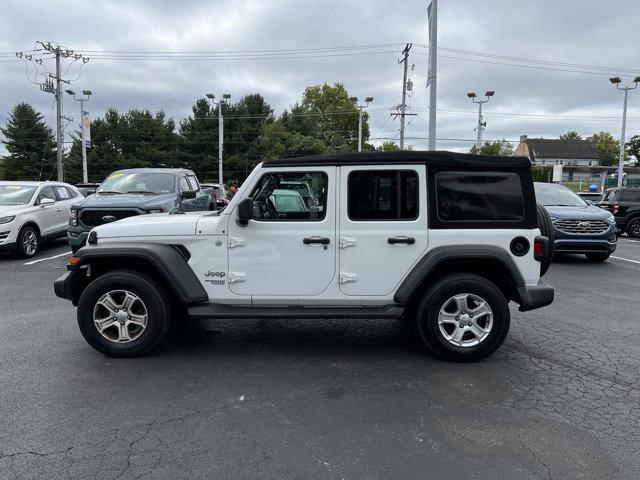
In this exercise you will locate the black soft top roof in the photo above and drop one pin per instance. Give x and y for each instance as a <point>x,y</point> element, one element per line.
<point>437,158</point>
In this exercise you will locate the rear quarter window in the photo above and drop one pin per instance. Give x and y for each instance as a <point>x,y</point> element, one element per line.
<point>479,197</point>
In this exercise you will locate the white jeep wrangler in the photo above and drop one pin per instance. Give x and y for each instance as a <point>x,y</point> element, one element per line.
<point>443,239</point>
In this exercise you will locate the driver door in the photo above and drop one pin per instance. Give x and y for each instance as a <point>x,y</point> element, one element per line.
<point>288,249</point>
<point>47,216</point>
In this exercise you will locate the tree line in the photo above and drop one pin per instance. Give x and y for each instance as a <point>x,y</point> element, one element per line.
<point>324,120</point>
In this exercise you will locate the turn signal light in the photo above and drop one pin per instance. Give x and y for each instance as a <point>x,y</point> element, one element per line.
<point>74,260</point>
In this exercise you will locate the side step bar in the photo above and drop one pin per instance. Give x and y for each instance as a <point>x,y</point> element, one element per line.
<point>216,310</point>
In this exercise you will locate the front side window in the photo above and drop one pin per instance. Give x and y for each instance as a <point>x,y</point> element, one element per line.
<point>138,182</point>
<point>46,192</point>
<point>193,181</point>
<point>383,195</point>
<point>479,196</point>
<point>274,200</point>
<point>16,194</point>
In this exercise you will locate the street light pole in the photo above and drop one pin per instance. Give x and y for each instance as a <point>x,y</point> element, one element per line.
<point>616,81</point>
<point>361,108</point>
<point>481,124</point>
<point>87,94</point>
<point>225,97</point>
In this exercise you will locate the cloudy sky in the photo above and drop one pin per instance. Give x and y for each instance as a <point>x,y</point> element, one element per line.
<point>548,61</point>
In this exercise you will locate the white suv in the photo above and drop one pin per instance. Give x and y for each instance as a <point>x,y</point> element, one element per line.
<point>445,240</point>
<point>33,212</point>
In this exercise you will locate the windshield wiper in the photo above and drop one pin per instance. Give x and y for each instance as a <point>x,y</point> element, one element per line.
<point>109,192</point>
<point>142,191</point>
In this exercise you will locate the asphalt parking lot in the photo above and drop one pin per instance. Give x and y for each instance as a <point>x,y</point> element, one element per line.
<point>335,399</point>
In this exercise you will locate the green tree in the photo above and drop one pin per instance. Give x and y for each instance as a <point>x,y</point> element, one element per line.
<point>388,146</point>
<point>275,141</point>
<point>30,145</point>
<point>332,117</point>
<point>137,138</point>
<point>633,146</point>
<point>607,146</point>
<point>502,148</point>
<point>570,135</point>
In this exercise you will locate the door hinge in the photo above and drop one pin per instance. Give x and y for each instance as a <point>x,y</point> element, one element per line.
<point>236,242</point>
<point>235,277</point>
<point>348,242</point>
<point>348,277</point>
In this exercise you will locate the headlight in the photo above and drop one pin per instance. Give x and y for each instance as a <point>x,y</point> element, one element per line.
<point>155,210</point>
<point>611,220</point>
<point>73,218</point>
<point>7,219</point>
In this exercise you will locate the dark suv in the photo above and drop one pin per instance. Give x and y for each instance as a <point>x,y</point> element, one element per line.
<point>624,203</point>
<point>136,191</point>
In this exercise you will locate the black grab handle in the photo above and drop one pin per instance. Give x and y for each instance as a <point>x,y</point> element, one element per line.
<point>321,240</point>
<point>407,240</point>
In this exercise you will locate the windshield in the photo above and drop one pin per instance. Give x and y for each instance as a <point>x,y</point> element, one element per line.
<point>16,194</point>
<point>145,182</point>
<point>558,196</point>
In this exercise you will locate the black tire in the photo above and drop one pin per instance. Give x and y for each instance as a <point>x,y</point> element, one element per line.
<point>546,229</point>
<point>150,293</point>
<point>597,257</point>
<point>434,299</point>
<point>22,251</point>
<point>633,227</point>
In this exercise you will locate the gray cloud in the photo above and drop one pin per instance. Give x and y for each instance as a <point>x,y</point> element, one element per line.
<point>586,32</point>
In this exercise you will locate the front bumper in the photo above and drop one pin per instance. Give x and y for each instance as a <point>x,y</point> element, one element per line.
<point>535,296</point>
<point>77,237</point>
<point>571,245</point>
<point>63,286</point>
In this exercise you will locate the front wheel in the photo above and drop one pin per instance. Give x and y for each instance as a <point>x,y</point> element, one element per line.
<point>597,257</point>
<point>124,314</point>
<point>463,318</point>
<point>28,242</point>
<point>633,228</point>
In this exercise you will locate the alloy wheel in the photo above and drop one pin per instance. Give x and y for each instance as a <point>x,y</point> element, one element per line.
<point>465,320</point>
<point>120,316</point>
<point>30,242</point>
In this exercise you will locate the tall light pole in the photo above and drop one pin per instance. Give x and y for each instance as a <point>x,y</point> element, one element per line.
<point>481,125</point>
<point>616,81</point>
<point>367,101</point>
<point>222,101</point>
<point>87,94</point>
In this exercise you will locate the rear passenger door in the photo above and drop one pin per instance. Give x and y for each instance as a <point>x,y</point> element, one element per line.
<point>65,197</point>
<point>382,226</point>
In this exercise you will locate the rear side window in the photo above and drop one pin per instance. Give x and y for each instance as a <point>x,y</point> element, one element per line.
<point>631,195</point>
<point>72,192</point>
<point>383,195</point>
<point>479,196</point>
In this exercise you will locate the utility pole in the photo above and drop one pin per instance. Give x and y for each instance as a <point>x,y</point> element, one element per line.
<point>222,101</point>
<point>87,93</point>
<point>367,100</point>
<point>59,54</point>
<point>433,70</point>
<point>481,124</point>
<point>616,81</point>
<point>406,85</point>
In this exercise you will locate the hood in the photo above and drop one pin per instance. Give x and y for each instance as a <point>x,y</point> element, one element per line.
<point>590,212</point>
<point>158,224</point>
<point>6,210</point>
<point>136,200</point>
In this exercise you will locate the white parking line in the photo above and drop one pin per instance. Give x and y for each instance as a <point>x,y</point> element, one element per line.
<point>55,256</point>
<point>630,242</point>
<point>626,259</point>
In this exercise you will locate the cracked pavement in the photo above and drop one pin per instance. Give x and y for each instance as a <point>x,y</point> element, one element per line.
<point>325,399</point>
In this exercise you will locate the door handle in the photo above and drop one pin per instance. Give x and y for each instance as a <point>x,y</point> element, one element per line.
<point>320,240</point>
<point>405,240</point>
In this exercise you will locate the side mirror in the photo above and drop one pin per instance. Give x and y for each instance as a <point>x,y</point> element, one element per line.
<point>188,194</point>
<point>245,211</point>
<point>47,201</point>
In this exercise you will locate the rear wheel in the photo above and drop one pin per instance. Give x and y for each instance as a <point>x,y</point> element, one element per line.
<point>597,257</point>
<point>546,229</point>
<point>463,318</point>
<point>28,242</point>
<point>633,228</point>
<point>124,314</point>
